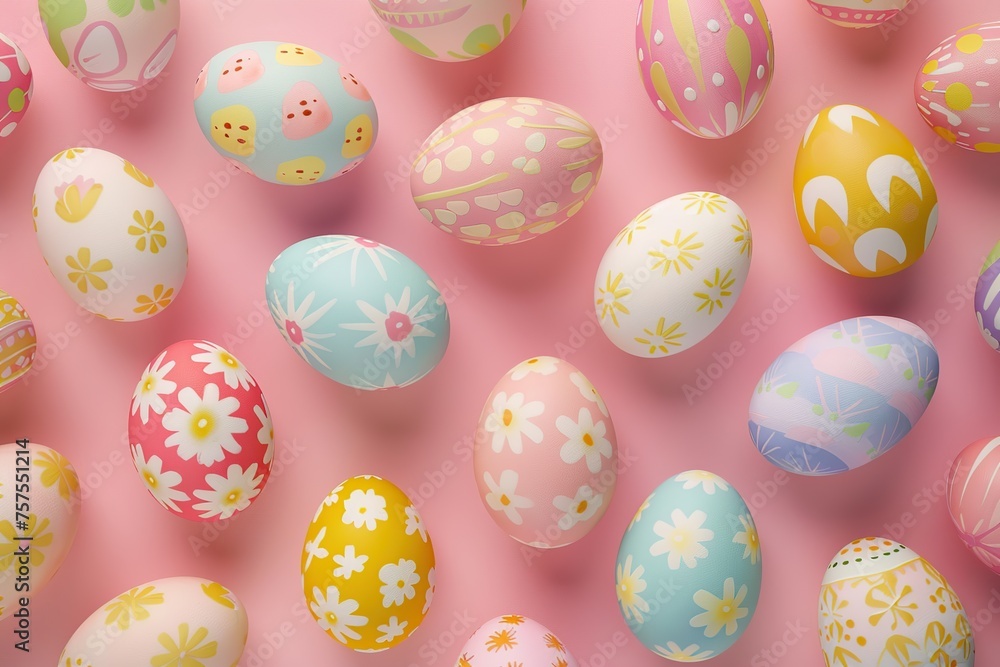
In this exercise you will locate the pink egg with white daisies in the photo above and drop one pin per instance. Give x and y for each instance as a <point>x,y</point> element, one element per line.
<point>200,432</point>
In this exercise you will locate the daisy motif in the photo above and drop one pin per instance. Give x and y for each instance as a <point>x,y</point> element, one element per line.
<point>355,247</point>
<point>336,616</point>
<point>510,419</point>
<point>394,330</point>
<point>203,427</point>
<point>588,391</point>
<point>229,494</point>
<point>578,508</point>
<point>682,541</point>
<point>540,365</point>
<point>749,539</point>
<point>638,513</point>
<point>152,387</point>
<point>690,653</point>
<point>414,524</point>
<point>364,508</point>
<point>585,440</point>
<point>429,593</point>
<point>349,563</point>
<point>295,324</point>
<point>391,630</point>
<point>502,496</point>
<point>314,548</point>
<point>265,435</point>
<point>160,484</point>
<point>398,582</point>
<point>629,586</point>
<point>332,498</point>
<point>708,481</point>
<point>218,360</point>
<point>724,612</point>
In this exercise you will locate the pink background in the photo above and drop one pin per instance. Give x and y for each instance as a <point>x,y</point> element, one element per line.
<point>508,304</point>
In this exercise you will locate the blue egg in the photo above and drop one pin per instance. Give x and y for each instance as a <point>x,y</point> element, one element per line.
<point>359,312</point>
<point>689,568</point>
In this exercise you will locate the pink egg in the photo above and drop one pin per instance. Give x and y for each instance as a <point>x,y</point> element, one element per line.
<point>858,13</point>
<point>958,88</point>
<point>514,640</point>
<point>545,458</point>
<point>974,499</point>
<point>16,86</point>
<point>200,432</point>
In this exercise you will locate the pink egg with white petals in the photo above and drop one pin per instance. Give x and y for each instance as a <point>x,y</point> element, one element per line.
<point>974,499</point>
<point>200,432</point>
<point>514,641</point>
<point>858,13</point>
<point>16,85</point>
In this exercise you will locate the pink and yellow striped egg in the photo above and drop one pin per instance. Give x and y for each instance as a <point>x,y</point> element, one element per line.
<point>17,341</point>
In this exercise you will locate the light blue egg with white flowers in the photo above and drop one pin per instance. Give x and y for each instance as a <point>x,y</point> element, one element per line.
<point>359,312</point>
<point>689,568</point>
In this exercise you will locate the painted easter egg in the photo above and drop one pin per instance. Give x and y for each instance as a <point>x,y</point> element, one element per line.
<point>546,455</point>
<point>18,341</point>
<point>285,113</point>
<point>514,640</point>
<point>689,568</point>
<point>16,85</point>
<point>986,303</point>
<point>116,45</point>
<point>858,13</point>
<point>173,622</point>
<point>958,88</point>
<point>974,499</point>
<point>200,432</point>
<point>864,198</point>
<point>706,65</point>
<point>882,603</point>
<point>109,234</point>
<point>357,311</point>
<point>449,30</point>
<point>39,513</point>
<point>673,274</point>
<point>368,565</point>
<point>506,170</point>
<point>843,395</point>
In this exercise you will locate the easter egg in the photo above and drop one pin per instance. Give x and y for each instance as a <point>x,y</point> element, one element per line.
<point>958,88</point>
<point>858,13</point>
<point>109,234</point>
<point>705,65</point>
<point>688,573</point>
<point>881,603</point>
<point>514,640</point>
<point>200,432</point>
<point>449,30</point>
<point>506,170</point>
<point>545,455</point>
<point>864,198</point>
<point>359,312</point>
<point>173,622</point>
<point>18,341</point>
<point>39,513</point>
<point>16,85</point>
<point>985,301</point>
<point>843,395</point>
<point>285,113</point>
<point>974,499</point>
<point>368,565</point>
<point>673,274</point>
<point>113,45</point>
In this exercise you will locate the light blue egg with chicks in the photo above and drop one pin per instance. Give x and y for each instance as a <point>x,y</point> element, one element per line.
<point>688,573</point>
<point>359,312</point>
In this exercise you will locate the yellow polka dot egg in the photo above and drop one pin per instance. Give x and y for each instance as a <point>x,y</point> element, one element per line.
<point>958,88</point>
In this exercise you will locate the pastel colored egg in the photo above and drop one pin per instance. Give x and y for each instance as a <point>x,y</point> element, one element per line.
<point>858,13</point>
<point>173,622</point>
<point>18,341</point>
<point>514,640</point>
<point>109,234</point>
<point>368,565</point>
<point>39,487</point>
<point>546,455</point>
<point>357,311</point>
<point>506,170</point>
<point>115,46</point>
<point>449,30</point>
<point>843,395</point>
<point>16,86</point>
<point>673,274</point>
<point>958,88</point>
<point>285,113</point>
<point>864,198</point>
<point>986,303</point>
<point>882,603</point>
<point>974,499</point>
<point>200,432</point>
<point>706,65</point>
<point>689,568</point>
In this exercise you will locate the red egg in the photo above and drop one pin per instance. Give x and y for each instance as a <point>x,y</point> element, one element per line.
<point>974,499</point>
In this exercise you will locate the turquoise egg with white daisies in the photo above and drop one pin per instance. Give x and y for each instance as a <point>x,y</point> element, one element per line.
<point>359,312</point>
<point>689,568</point>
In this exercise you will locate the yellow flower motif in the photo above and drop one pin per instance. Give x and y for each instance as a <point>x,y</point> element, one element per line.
<point>560,662</point>
<point>76,199</point>
<point>151,305</point>
<point>749,538</point>
<point>677,252</point>
<point>218,593</point>
<point>56,469</point>
<point>84,273</point>
<point>637,225</point>
<point>512,619</point>
<point>721,613</point>
<point>551,641</point>
<point>661,337</point>
<point>146,225</point>
<point>501,640</point>
<point>69,154</point>
<point>186,651</point>
<point>743,238</point>
<point>703,201</point>
<point>131,606</point>
<point>34,209</point>
<point>610,298</point>
<point>137,174</point>
<point>463,660</point>
<point>889,598</point>
<point>718,289</point>
<point>10,541</point>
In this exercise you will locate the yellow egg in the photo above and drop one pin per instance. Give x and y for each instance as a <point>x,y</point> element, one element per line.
<point>368,565</point>
<point>863,196</point>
